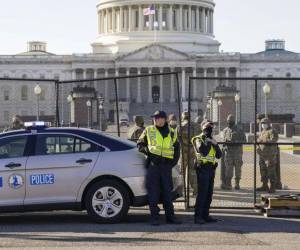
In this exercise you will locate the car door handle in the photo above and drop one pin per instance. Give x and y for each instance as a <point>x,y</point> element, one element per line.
<point>84,161</point>
<point>13,165</point>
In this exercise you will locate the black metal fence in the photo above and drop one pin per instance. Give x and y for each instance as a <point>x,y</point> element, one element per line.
<point>257,98</point>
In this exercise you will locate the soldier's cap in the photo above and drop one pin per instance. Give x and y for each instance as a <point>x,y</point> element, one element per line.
<point>138,119</point>
<point>207,123</point>
<point>159,114</point>
<point>265,120</point>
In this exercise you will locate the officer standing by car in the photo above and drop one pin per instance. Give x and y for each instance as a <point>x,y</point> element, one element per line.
<point>185,152</point>
<point>233,154</point>
<point>16,124</point>
<point>207,152</point>
<point>160,144</point>
<point>267,156</point>
<point>136,131</point>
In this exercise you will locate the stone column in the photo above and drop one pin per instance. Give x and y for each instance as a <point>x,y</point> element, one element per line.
<point>74,74</point>
<point>203,20</point>
<point>121,19</point>
<point>106,86</point>
<point>113,13</point>
<point>195,87</point>
<point>129,18</point>
<point>99,22</point>
<point>160,17</point>
<point>205,91</point>
<point>141,18</point>
<point>172,97</point>
<point>197,19</point>
<point>216,75</point>
<point>84,74</point>
<point>161,86</point>
<point>183,85</point>
<point>128,84</point>
<point>139,87</point>
<point>190,18</point>
<point>95,74</point>
<point>212,22</point>
<point>227,75</point>
<point>125,20</point>
<point>109,20</point>
<point>208,20</point>
<point>180,17</point>
<point>170,18</point>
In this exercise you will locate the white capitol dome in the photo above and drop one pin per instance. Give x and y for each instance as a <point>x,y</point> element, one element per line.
<point>184,25</point>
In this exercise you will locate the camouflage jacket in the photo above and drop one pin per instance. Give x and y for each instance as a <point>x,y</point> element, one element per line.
<point>234,134</point>
<point>183,133</point>
<point>135,133</point>
<point>269,135</point>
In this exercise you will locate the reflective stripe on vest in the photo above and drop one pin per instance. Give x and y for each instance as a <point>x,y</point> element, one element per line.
<point>210,158</point>
<point>158,145</point>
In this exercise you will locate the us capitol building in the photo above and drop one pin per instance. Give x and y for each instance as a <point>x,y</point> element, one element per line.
<point>179,37</point>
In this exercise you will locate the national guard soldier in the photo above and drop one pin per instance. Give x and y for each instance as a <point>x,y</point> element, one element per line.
<point>172,120</point>
<point>185,152</point>
<point>267,156</point>
<point>17,124</point>
<point>233,154</point>
<point>207,151</point>
<point>160,144</point>
<point>136,131</point>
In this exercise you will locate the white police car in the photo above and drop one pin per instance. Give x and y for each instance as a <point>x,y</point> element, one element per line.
<point>72,169</point>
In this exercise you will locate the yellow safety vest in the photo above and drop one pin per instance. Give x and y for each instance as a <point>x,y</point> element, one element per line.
<point>210,158</point>
<point>160,146</point>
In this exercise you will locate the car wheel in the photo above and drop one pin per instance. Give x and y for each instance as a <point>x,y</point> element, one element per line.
<point>107,201</point>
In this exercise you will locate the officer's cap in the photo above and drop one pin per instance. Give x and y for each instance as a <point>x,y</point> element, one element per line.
<point>159,114</point>
<point>207,123</point>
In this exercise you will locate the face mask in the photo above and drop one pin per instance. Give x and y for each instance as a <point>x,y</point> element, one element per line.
<point>265,126</point>
<point>208,131</point>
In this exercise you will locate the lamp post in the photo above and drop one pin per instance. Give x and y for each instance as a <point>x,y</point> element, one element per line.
<point>267,91</point>
<point>237,99</point>
<point>70,99</point>
<point>220,103</point>
<point>101,107</point>
<point>89,105</point>
<point>37,92</point>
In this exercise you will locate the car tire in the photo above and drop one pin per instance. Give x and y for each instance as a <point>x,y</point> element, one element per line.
<point>107,201</point>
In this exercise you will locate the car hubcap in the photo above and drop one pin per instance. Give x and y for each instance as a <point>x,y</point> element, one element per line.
<point>107,202</point>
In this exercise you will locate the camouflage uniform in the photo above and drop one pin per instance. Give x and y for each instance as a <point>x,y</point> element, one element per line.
<point>172,120</point>
<point>188,154</point>
<point>136,131</point>
<point>233,154</point>
<point>267,157</point>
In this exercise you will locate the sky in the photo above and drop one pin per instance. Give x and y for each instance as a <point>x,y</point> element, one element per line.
<point>70,26</point>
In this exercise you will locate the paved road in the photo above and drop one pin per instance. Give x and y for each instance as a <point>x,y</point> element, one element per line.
<point>73,230</point>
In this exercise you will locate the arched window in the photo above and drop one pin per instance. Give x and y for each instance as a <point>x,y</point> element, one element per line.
<point>24,93</point>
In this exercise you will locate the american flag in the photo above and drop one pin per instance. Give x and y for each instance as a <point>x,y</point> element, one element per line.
<point>149,11</point>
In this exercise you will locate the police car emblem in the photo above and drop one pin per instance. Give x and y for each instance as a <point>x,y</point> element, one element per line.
<point>15,181</point>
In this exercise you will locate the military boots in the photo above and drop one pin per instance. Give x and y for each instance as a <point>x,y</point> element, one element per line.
<point>263,188</point>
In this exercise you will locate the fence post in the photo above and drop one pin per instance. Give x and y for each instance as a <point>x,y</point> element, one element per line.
<point>255,143</point>
<point>57,122</point>
<point>117,106</point>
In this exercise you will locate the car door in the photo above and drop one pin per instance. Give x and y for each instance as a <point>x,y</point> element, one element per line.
<point>12,170</point>
<point>60,165</point>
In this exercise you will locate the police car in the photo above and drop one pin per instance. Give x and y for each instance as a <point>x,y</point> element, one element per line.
<point>44,168</point>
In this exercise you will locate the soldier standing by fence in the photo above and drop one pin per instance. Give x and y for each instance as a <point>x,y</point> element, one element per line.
<point>267,156</point>
<point>136,131</point>
<point>233,154</point>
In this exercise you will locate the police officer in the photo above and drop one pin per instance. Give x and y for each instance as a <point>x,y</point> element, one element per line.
<point>233,154</point>
<point>160,144</point>
<point>136,131</point>
<point>172,120</point>
<point>17,124</point>
<point>207,152</point>
<point>185,152</point>
<point>267,156</point>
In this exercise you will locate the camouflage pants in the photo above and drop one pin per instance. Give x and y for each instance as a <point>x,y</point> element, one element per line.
<point>189,171</point>
<point>268,169</point>
<point>233,166</point>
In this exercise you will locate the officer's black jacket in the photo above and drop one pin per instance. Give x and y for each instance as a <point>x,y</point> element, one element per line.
<point>158,160</point>
<point>205,148</point>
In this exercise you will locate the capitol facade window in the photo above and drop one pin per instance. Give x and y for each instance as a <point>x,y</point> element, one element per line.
<point>24,93</point>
